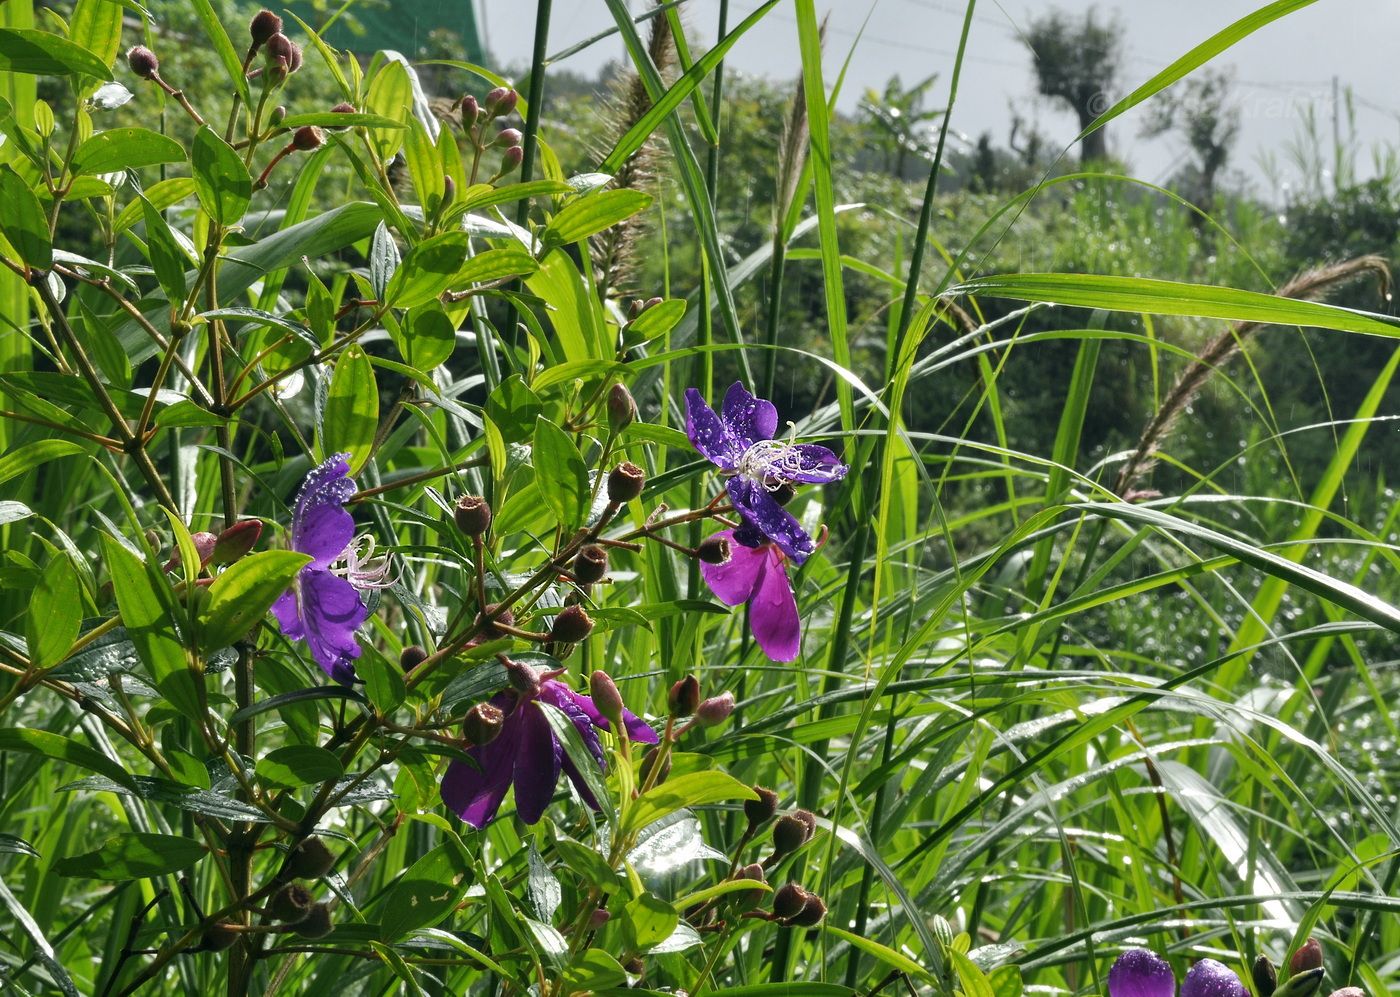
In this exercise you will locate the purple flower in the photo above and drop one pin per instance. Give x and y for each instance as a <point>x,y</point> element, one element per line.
<point>1140,973</point>
<point>322,607</point>
<point>757,575</point>
<point>739,441</point>
<point>1209,978</point>
<point>526,754</point>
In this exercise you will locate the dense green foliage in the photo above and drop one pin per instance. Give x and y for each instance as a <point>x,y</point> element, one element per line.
<point>1097,648</point>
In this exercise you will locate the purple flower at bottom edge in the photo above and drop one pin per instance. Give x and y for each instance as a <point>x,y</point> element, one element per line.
<point>1209,978</point>
<point>756,574</point>
<point>1140,973</point>
<point>739,441</point>
<point>321,607</point>
<point>526,754</point>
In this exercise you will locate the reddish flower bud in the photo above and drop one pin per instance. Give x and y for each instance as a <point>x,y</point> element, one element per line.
<point>789,900</point>
<point>316,924</point>
<point>760,810</point>
<point>1308,956</point>
<point>279,47</point>
<point>789,834</point>
<point>489,630</point>
<point>652,302</point>
<point>625,482</point>
<point>344,107</point>
<point>714,711</point>
<point>143,62</point>
<point>572,625</point>
<point>598,918</point>
<point>509,138</point>
<point>714,550</point>
<point>472,515</point>
<point>510,162</point>
<point>308,137</point>
<point>291,904</point>
<point>811,914</point>
<point>263,26</point>
<point>622,408</point>
<point>470,112</point>
<point>294,61</point>
<point>411,657</point>
<point>591,564</point>
<point>809,821</point>
<point>523,679</point>
<point>236,541</point>
<point>501,101</point>
<point>746,900</point>
<point>684,697</point>
<point>449,190</point>
<point>310,859</point>
<point>606,697</point>
<point>482,724</point>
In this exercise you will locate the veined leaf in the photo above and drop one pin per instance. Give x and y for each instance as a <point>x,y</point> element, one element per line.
<point>221,180</point>
<point>136,855</point>
<point>351,416</point>
<point>125,148</point>
<point>244,592</point>
<point>43,53</point>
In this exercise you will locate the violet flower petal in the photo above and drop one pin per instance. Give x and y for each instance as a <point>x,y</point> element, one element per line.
<point>323,532</point>
<point>327,487</point>
<point>579,783</point>
<point>1140,973</point>
<point>747,418</point>
<point>733,581</point>
<point>1209,978</point>
<point>773,610</point>
<point>637,729</point>
<point>757,505</point>
<point>330,611</point>
<point>708,433</point>
<point>475,792</point>
<point>537,763</point>
<point>811,464</point>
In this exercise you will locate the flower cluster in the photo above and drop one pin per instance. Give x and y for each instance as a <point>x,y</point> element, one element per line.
<point>1140,973</point>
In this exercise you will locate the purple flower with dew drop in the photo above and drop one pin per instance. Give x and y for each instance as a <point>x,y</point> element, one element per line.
<point>756,575</point>
<point>526,754</point>
<point>323,607</point>
<point>1209,978</point>
<point>739,441</point>
<point>1140,973</point>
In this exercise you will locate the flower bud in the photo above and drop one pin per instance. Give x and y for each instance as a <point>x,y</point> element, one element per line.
<point>316,924</point>
<point>746,900</point>
<point>598,918</point>
<point>760,810</point>
<point>625,482</point>
<point>511,160</point>
<point>572,625</point>
<point>310,859</point>
<point>411,657</point>
<point>523,679</point>
<point>684,697</point>
<point>509,138</point>
<point>942,930</point>
<point>482,724</point>
<point>219,937</point>
<point>263,26</point>
<point>790,833</point>
<point>622,408</point>
<point>501,101</point>
<point>591,564</point>
<point>649,761</point>
<point>294,63</point>
<point>789,900</point>
<point>472,515</point>
<point>811,913</point>
<point>308,137</point>
<point>1308,956</point>
<point>606,698</point>
<point>652,302</point>
<point>449,190</point>
<point>143,62</point>
<point>470,112</point>
<point>489,618</point>
<point>714,550</point>
<point>279,50</point>
<point>714,711</point>
<point>236,541</point>
<point>1265,977</point>
<point>1303,984</point>
<point>809,821</point>
<point>278,115</point>
<point>291,904</point>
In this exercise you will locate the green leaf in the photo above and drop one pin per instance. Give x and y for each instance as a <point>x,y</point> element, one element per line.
<point>23,740</point>
<point>391,95</point>
<point>430,889</point>
<point>1166,297</point>
<point>383,679</point>
<point>424,165</point>
<point>647,920</point>
<point>427,270</point>
<point>495,264</point>
<point>244,592</point>
<point>895,960</point>
<point>974,981</point>
<point>96,25</point>
<point>513,408</point>
<point>593,969</point>
<point>22,222</point>
<point>589,865</point>
<point>592,213</point>
<point>351,416</point>
<point>383,260</point>
<point>690,790</point>
<point>55,612</point>
<point>42,53</point>
<point>162,194</point>
<point>561,472</point>
<point>221,180</point>
<point>125,148</point>
<point>429,336</point>
<point>657,320</point>
<point>294,765</point>
<point>135,855</point>
<point>43,950</point>
<point>149,614</point>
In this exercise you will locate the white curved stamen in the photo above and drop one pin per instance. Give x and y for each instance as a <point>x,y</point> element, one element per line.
<point>358,565</point>
<point>772,463</point>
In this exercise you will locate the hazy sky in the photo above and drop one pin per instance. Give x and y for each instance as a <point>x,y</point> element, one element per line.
<point>1281,70</point>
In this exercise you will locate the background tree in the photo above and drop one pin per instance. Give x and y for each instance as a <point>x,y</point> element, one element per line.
<point>1203,110</point>
<point>1076,61</point>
